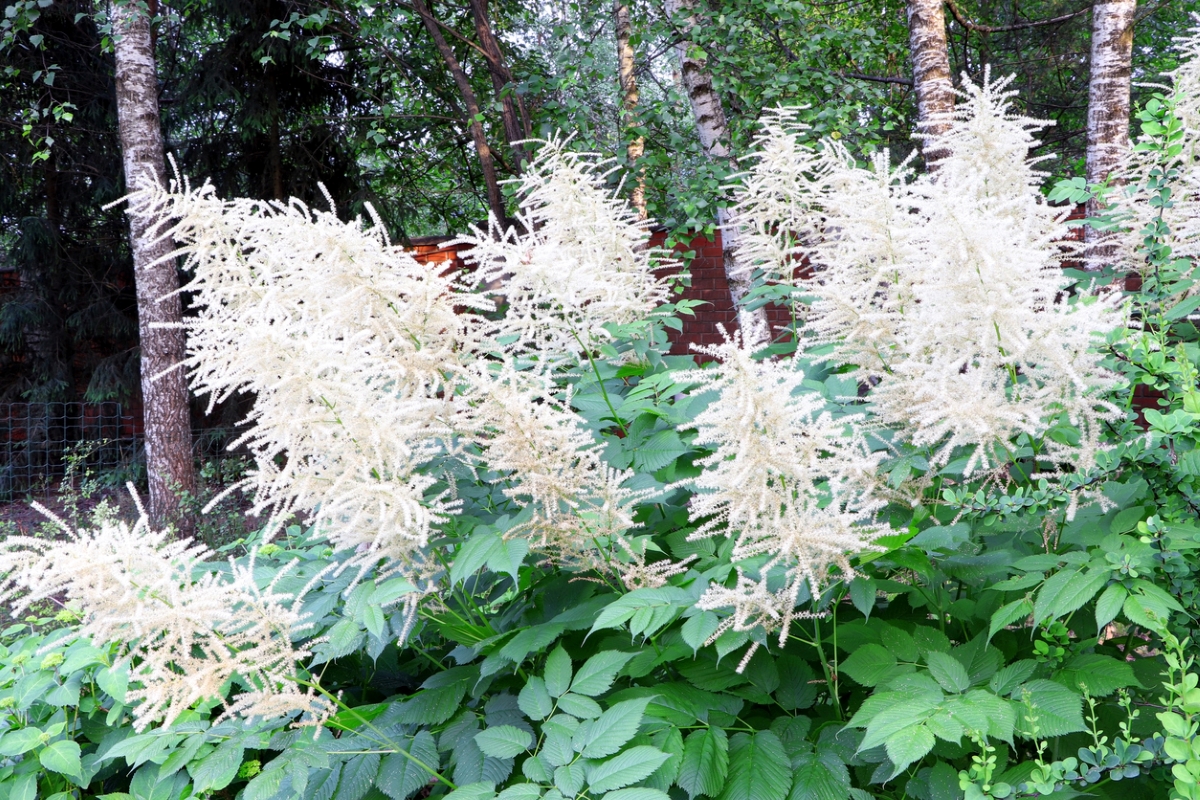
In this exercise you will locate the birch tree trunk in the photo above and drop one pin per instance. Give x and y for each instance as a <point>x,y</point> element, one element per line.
<point>931,73</point>
<point>164,394</point>
<point>1108,103</point>
<point>713,130</point>
<point>487,161</point>
<point>629,101</point>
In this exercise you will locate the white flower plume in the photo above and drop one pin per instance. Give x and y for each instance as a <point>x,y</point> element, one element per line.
<point>946,292</point>
<point>582,262</point>
<point>350,347</point>
<point>789,482</point>
<point>185,638</point>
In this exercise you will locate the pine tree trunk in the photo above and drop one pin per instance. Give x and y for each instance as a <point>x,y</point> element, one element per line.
<point>1108,103</point>
<point>931,73</point>
<point>487,161</point>
<point>629,101</point>
<point>713,130</point>
<point>164,394</point>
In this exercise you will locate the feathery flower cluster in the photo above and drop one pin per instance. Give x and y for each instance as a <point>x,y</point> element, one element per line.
<point>184,637</point>
<point>1179,170</point>
<point>944,291</point>
<point>350,347</point>
<point>787,479</point>
<point>551,463</point>
<point>582,262</point>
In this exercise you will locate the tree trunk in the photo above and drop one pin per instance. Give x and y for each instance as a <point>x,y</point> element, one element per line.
<point>516,122</point>
<point>474,114</point>
<point>931,73</point>
<point>629,101</point>
<point>1108,103</point>
<point>164,393</point>
<point>713,130</point>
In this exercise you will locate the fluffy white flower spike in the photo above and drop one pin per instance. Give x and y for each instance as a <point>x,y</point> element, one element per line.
<point>186,638</point>
<point>946,292</point>
<point>582,262</point>
<point>789,482</point>
<point>350,347</point>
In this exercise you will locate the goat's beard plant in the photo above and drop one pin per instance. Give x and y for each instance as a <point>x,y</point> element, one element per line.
<point>396,404</point>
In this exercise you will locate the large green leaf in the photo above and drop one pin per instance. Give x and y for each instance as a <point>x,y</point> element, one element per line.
<point>1058,710</point>
<point>908,745</point>
<point>558,672</point>
<point>948,671</point>
<point>504,741</point>
<point>1100,675</point>
<point>819,775</point>
<point>653,609</point>
<point>400,776</point>
<point>758,768</point>
<point>869,664</point>
<point>598,672</point>
<point>624,769</point>
<point>218,769</point>
<point>606,735</point>
<point>62,757</point>
<point>534,700</point>
<point>705,764</point>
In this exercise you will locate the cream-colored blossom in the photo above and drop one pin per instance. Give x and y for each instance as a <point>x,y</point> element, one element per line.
<point>945,292</point>
<point>351,349</point>
<point>786,480</point>
<point>184,637</point>
<point>578,259</point>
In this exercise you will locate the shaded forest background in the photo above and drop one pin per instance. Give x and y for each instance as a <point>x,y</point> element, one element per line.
<point>270,99</point>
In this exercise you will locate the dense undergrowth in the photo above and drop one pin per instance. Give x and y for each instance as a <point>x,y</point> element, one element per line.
<point>920,545</point>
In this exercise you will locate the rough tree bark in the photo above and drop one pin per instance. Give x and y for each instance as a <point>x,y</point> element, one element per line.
<point>512,110</point>
<point>629,101</point>
<point>487,160</point>
<point>931,72</point>
<point>1108,102</point>
<point>164,388</point>
<point>713,130</point>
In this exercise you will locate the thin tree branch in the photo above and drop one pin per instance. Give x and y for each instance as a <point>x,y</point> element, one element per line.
<point>975,26</point>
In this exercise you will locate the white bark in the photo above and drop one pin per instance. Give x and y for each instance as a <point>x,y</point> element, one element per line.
<point>1108,102</point>
<point>713,130</point>
<point>931,73</point>
<point>629,101</point>
<point>164,398</point>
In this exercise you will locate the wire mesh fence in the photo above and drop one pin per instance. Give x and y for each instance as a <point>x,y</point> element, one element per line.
<point>46,447</point>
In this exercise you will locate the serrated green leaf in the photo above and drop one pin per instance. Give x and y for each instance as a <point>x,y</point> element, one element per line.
<point>1008,614</point>
<point>758,768</point>
<point>1059,710</point>
<point>569,778</point>
<point>637,793</point>
<point>1100,675</point>
<point>481,790</point>
<point>1109,604</point>
<point>20,741</point>
<point>400,776</point>
<point>1067,591</point>
<point>504,741</point>
<point>579,706</point>
<point>908,745</point>
<point>626,768</point>
<point>598,672</point>
<point>62,757</point>
<point>218,769</point>
<point>534,701</point>
<point>606,735</point>
<point>358,774</point>
<point>558,672</point>
<point>896,717</point>
<point>950,674</point>
<point>659,607</point>
<point>697,630</point>
<point>862,595</point>
<point>705,764</point>
<point>819,775</point>
<point>522,791</point>
<point>658,451</point>
<point>868,664</point>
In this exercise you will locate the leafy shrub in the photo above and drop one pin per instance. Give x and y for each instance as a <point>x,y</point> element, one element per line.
<point>923,545</point>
